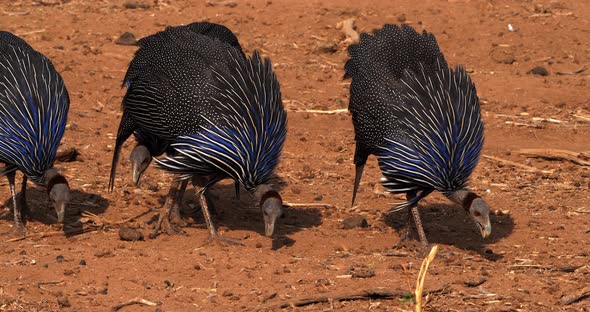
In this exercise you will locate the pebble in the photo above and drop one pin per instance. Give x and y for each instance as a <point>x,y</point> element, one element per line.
<point>539,71</point>
<point>129,234</point>
<point>59,258</point>
<point>63,302</point>
<point>126,38</point>
<point>354,222</point>
<point>82,262</point>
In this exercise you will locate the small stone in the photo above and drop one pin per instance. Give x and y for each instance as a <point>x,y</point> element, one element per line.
<point>104,291</point>
<point>63,302</point>
<point>69,272</point>
<point>355,221</point>
<point>319,197</point>
<point>227,293</point>
<point>82,262</point>
<point>539,71</point>
<point>326,47</point>
<point>104,254</point>
<point>401,18</point>
<point>59,258</point>
<point>503,55</point>
<point>131,235</point>
<point>359,272</point>
<point>197,267</point>
<point>126,38</point>
<point>259,245</point>
<point>131,4</point>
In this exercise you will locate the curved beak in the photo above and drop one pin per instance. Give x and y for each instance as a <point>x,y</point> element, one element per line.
<point>485,229</point>
<point>135,174</point>
<point>60,210</point>
<point>269,228</point>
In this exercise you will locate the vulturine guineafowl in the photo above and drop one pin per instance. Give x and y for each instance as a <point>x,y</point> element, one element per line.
<point>184,87</point>
<point>419,117</point>
<point>149,146</point>
<point>153,144</point>
<point>34,107</point>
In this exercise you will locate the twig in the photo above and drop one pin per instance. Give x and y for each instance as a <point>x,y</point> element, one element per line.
<point>307,205</point>
<point>15,13</point>
<point>582,294</point>
<point>579,71</point>
<point>512,163</point>
<point>555,154</point>
<point>135,301</point>
<point>422,276</point>
<point>530,266</point>
<point>582,116</point>
<point>99,220</point>
<point>54,233</point>
<point>31,32</point>
<point>40,284</point>
<point>325,112</point>
<point>373,293</point>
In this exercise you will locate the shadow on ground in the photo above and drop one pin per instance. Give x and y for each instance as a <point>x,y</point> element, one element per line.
<point>232,213</point>
<point>43,211</point>
<point>450,225</point>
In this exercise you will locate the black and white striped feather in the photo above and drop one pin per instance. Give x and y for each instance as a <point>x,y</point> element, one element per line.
<point>246,141</point>
<point>34,105</point>
<point>419,117</point>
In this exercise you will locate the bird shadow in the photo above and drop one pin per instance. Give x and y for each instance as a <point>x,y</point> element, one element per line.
<point>243,214</point>
<point>41,210</point>
<point>450,225</point>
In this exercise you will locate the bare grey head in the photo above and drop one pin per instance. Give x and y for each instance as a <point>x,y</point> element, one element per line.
<point>480,213</point>
<point>271,205</point>
<point>140,160</point>
<point>59,192</point>
<point>478,210</point>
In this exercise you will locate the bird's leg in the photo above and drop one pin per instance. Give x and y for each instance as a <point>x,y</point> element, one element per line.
<point>416,214</point>
<point>23,200</point>
<point>213,235</point>
<point>407,230</point>
<point>19,227</point>
<point>175,217</point>
<point>165,215</point>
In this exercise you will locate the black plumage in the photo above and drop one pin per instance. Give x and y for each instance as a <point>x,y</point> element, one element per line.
<point>34,105</point>
<point>177,92</point>
<point>418,116</point>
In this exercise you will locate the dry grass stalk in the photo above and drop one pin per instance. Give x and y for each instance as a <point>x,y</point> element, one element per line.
<point>555,154</point>
<point>422,275</point>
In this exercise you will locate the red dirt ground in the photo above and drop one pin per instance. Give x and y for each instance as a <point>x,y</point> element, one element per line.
<point>538,252</point>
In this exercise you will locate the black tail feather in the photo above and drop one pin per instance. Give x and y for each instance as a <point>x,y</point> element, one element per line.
<point>126,129</point>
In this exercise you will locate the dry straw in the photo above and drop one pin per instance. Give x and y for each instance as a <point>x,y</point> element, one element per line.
<point>422,275</point>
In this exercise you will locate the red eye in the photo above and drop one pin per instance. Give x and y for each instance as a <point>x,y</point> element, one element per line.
<point>476,213</point>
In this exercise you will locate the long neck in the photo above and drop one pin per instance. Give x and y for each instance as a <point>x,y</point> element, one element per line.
<point>52,177</point>
<point>270,194</point>
<point>463,198</point>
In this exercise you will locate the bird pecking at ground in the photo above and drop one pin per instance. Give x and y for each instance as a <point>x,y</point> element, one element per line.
<point>220,112</point>
<point>150,144</point>
<point>34,107</point>
<point>419,117</point>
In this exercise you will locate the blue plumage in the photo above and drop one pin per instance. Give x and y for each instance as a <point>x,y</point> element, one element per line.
<point>443,133</point>
<point>419,117</point>
<point>246,141</point>
<point>34,105</point>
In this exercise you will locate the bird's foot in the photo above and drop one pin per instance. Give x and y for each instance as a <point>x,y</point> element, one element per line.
<point>176,218</point>
<point>17,231</point>
<point>164,225</point>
